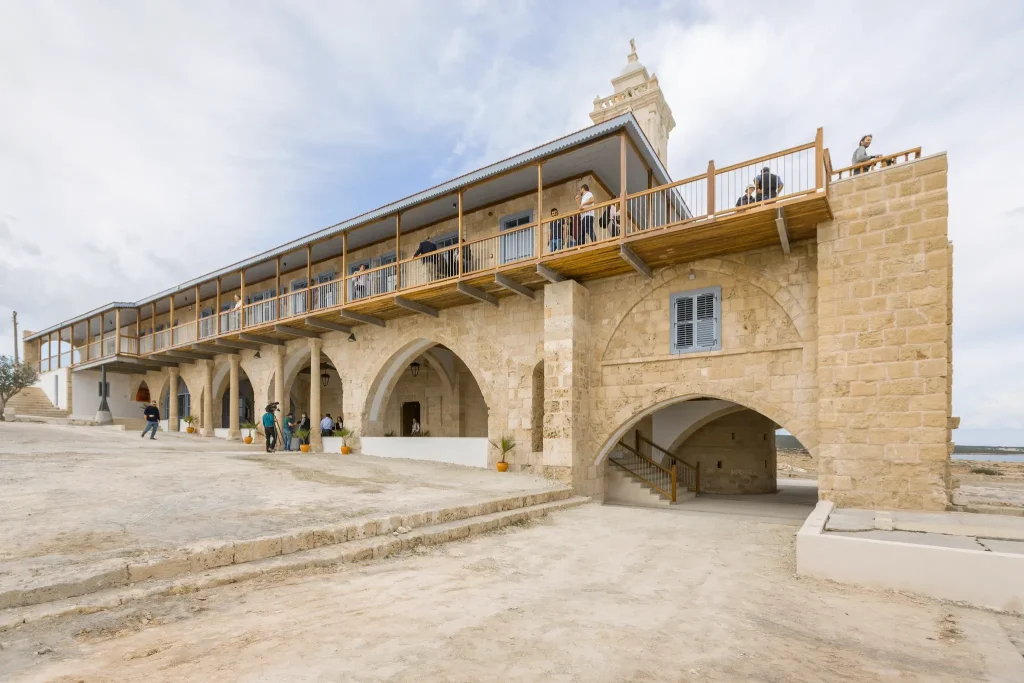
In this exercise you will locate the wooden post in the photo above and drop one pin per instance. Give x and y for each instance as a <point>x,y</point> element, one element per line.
<point>461,248</point>
<point>241,295</point>
<point>152,326</point>
<point>117,331</point>
<point>398,251</point>
<point>344,267</point>
<point>102,336</point>
<point>198,301</point>
<point>59,332</point>
<point>674,479</point>
<point>216,310</point>
<point>540,207</point>
<point>138,324</point>
<point>277,288</point>
<point>309,276</point>
<point>711,188</point>
<point>622,185</point>
<point>170,324</point>
<point>819,159</point>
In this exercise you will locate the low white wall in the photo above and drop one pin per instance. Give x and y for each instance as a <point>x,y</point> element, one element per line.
<point>470,451</point>
<point>984,579</point>
<point>85,391</point>
<point>55,385</point>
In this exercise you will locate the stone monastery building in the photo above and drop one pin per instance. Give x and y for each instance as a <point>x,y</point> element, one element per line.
<point>660,334</point>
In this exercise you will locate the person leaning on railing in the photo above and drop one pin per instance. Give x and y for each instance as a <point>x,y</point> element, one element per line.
<point>428,246</point>
<point>360,283</point>
<point>861,156</point>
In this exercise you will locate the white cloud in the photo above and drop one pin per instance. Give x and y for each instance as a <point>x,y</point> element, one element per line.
<point>145,143</point>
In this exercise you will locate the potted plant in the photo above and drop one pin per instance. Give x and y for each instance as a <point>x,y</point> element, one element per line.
<point>344,433</point>
<point>190,420</point>
<point>505,445</point>
<point>248,428</point>
<point>302,435</point>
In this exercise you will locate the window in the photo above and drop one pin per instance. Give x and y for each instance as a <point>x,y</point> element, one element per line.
<point>696,323</point>
<point>447,240</point>
<point>518,245</point>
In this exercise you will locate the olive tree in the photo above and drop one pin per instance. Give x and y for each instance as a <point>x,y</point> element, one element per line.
<point>14,377</point>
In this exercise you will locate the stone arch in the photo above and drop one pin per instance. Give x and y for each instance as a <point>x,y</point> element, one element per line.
<point>402,354</point>
<point>804,433</point>
<point>799,317</point>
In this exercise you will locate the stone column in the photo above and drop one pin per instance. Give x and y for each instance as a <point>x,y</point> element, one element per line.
<point>884,351</point>
<point>566,330</point>
<point>316,444</point>
<point>207,399</point>
<point>234,433</point>
<point>172,400</point>
<point>279,380</point>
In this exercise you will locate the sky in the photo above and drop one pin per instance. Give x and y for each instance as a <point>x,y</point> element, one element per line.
<point>142,144</point>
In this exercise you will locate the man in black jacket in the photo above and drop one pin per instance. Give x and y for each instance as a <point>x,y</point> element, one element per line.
<point>152,414</point>
<point>427,246</point>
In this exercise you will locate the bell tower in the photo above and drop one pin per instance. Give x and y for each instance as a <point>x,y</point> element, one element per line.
<point>637,91</point>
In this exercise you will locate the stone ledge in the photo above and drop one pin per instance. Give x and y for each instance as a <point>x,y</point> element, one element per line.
<point>373,548</point>
<point>213,554</point>
<point>795,346</point>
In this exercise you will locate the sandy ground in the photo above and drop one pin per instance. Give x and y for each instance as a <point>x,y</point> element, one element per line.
<point>597,594</point>
<point>78,498</point>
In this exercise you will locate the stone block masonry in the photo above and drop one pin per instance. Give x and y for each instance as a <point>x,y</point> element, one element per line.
<point>885,340</point>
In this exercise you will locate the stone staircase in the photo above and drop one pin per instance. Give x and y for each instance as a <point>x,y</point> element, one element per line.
<point>624,489</point>
<point>32,402</point>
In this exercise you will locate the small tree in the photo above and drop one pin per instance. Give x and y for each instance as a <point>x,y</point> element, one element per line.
<point>505,445</point>
<point>13,378</point>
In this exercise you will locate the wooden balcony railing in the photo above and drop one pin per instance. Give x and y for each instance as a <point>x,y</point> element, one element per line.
<point>687,475</point>
<point>790,174</point>
<point>883,161</point>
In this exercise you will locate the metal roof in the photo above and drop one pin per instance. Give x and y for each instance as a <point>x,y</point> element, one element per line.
<point>624,121</point>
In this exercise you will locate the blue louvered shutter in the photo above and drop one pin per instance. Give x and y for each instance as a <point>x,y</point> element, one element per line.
<point>696,323</point>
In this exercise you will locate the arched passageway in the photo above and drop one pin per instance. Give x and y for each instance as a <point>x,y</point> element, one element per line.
<point>426,389</point>
<point>716,447</point>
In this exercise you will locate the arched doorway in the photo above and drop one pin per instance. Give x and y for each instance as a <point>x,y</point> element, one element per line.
<point>716,447</point>
<point>182,397</point>
<point>246,402</point>
<point>432,384</point>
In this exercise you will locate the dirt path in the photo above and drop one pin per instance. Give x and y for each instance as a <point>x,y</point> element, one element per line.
<point>597,594</point>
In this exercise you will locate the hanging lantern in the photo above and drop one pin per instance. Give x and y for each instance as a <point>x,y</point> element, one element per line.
<point>325,379</point>
<point>414,369</point>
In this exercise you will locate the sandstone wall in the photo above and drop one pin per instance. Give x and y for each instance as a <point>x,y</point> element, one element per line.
<point>736,454</point>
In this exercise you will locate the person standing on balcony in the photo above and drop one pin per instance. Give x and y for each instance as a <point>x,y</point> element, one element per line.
<point>861,156</point>
<point>152,414</point>
<point>427,246</point>
<point>269,429</point>
<point>748,198</point>
<point>585,199</point>
<point>361,283</point>
<point>286,430</point>
<point>768,185</point>
<point>556,232</point>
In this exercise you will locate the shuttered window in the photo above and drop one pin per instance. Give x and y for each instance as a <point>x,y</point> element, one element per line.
<point>696,323</point>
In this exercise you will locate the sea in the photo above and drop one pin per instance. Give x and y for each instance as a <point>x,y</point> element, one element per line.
<point>990,457</point>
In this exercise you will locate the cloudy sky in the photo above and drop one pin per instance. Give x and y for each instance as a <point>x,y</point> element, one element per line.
<point>142,144</point>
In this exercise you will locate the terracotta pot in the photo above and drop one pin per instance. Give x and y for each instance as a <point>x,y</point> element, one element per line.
<point>304,448</point>
<point>247,439</point>
<point>190,430</point>
<point>345,450</point>
<point>503,467</point>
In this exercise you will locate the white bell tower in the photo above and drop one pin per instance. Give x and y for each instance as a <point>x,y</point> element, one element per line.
<point>639,92</point>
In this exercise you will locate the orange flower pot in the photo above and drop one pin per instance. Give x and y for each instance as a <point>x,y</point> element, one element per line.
<point>190,430</point>
<point>503,467</point>
<point>247,439</point>
<point>345,450</point>
<point>304,448</point>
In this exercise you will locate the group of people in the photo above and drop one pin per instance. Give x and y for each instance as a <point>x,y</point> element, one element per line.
<point>578,229</point>
<point>765,185</point>
<point>289,427</point>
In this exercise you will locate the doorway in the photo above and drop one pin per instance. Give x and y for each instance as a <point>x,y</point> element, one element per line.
<point>410,412</point>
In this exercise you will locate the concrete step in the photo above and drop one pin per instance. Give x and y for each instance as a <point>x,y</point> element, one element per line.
<point>27,590</point>
<point>33,402</point>
<point>369,548</point>
<point>624,488</point>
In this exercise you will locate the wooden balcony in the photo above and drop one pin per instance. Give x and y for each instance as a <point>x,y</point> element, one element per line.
<point>703,216</point>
